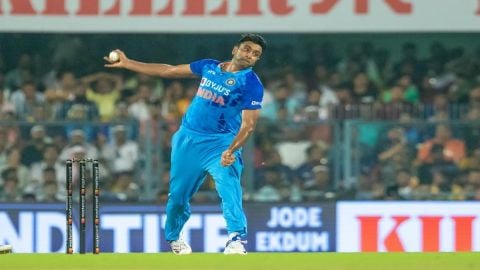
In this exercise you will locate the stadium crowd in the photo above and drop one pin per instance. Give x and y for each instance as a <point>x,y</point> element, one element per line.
<point>416,139</point>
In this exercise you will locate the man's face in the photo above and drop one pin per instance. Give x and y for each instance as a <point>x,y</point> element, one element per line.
<point>80,90</point>
<point>443,133</point>
<point>120,136</point>
<point>246,54</point>
<point>29,90</point>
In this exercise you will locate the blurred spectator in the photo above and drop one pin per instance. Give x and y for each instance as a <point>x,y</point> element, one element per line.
<point>441,185</point>
<point>363,90</point>
<point>78,107</point>
<point>62,86</point>
<point>155,121</point>
<point>104,90</point>
<point>42,112</point>
<point>174,92</point>
<point>122,154</point>
<point>50,189</point>
<point>271,188</point>
<point>368,188</point>
<point>315,156</point>
<point>269,107</point>
<point>353,62</point>
<point>473,184</point>
<point>33,151</point>
<point>124,188</point>
<point>435,161</point>
<point>319,188</point>
<point>50,160</point>
<point>328,98</point>
<point>403,186</point>
<point>318,131</point>
<point>10,191</point>
<point>472,161</point>
<point>5,104</point>
<point>130,123</point>
<point>409,62</point>
<point>60,90</point>
<point>78,147</point>
<point>379,67</point>
<point>273,161</point>
<point>23,72</point>
<point>311,111</point>
<point>295,86</point>
<point>459,183</point>
<point>139,109</point>
<point>25,99</point>
<point>11,130</point>
<point>454,149</point>
<point>393,154</point>
<point>319,104</point>
<point>155,84</point>
<point>439,105</point>
<point>292,151</point>
<point>367,136</point>
<point>13,162</point>
<point>345,109</point>
<point>283,99</point>
<point>409,91</point>
<point>101,145</point>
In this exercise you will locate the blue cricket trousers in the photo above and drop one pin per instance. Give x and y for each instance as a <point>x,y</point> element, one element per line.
<point>194,155</point>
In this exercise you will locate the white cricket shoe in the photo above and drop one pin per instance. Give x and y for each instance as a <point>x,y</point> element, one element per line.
<point>5,249</point>
<point>180,247</point>
<point>235,246</point>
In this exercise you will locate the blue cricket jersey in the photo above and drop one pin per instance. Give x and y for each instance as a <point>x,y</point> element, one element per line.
<point>221,97</point>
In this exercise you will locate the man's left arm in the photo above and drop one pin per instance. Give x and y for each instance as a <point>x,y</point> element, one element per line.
<point>249,121</point>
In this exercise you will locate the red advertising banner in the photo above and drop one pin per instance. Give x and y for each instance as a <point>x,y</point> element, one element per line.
<point>408,226</point>
<point>239,15</point>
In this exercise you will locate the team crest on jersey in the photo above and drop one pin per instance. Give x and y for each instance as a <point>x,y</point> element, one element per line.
<point>230,82</point>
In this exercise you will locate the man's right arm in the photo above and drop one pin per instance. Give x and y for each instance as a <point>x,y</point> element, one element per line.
<point>152,69</point>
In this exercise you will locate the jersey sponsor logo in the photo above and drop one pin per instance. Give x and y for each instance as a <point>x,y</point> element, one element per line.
<point>255,103</point>
<point>212,96</point>
<point>205,83</point>
<point>230,82</point>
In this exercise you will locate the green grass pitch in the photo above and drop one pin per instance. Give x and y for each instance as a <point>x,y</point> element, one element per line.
<point>262,261</point>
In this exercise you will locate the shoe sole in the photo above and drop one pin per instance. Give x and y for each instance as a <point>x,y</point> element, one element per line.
<point>5,249</point>
<point>182,254</point>
<point>235,253</point>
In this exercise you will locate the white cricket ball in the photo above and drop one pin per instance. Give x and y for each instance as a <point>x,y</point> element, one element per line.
<point>113,56</point>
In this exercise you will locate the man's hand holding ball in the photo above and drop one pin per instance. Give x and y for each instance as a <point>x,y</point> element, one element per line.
<point>116,59</point>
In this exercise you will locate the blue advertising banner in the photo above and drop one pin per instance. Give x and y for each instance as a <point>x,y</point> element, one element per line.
<point>33,228</point>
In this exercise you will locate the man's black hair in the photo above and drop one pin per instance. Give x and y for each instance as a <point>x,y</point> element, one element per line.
<point>257,39</point>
